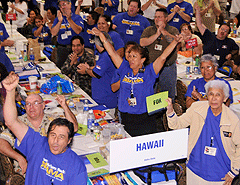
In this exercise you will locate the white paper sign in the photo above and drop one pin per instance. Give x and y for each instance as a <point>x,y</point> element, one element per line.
<point>148,149</point>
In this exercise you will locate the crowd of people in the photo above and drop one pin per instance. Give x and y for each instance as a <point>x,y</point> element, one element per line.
<point>119,59</point>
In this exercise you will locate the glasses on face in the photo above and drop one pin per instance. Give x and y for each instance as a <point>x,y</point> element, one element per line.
<point>184,29</point>
<point>36,103</point>
<point>62,5</point>
<point>206,68</point>
<point>224,30</point>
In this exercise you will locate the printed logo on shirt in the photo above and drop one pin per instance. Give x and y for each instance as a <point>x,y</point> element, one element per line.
<point>224,46</point>
<point>182,9</point>
<point>98,67</point>
<point>132,80</point>
<point>1,32</point>
<point>51,171</point>
<point>63,26</point>
<point>133,23</point>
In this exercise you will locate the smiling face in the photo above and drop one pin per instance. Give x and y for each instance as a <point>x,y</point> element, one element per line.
<point>90,20</point>
<point>64,6</point>
<point>38,22</point>
<point>216,98</point>
<point>77,47</point>
<point>34,107</point>
<point>159,18</point>
<point>222,32</point>
<point>50,16</point>
<point>185,31</point>
<point>103,25</point>
<point>208,70</point>
<point>133,9</point>
<point>58,139</point>
<point>32,15</point>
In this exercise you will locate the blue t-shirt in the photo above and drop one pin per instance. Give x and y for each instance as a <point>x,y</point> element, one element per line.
<point>218,47</point>
<point>45,35</point>
<point>111,10</point>
<point>101,87</point>
<point>130,28</point>
<point>44,167</point>
<point>208,167</point>
<point>199,84</point>
<point>63,38</point>
<point>3,35</point>
<point>177,20</point>
<point>87,36</point>
<point>6,61</point>
<point>141,84</point>
<point>117,40</point>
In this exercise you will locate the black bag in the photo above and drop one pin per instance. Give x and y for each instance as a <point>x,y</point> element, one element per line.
<point>160,172</point>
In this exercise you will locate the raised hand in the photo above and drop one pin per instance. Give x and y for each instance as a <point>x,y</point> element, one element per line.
<point>59,16</point>
<point>10,82</point>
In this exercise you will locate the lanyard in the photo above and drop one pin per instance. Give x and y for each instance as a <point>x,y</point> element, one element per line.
<point>132,85</point>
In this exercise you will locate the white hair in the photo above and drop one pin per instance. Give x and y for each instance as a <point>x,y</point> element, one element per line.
<point>218,84</point>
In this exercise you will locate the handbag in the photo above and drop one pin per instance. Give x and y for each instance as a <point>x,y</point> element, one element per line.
<point>160,172</point>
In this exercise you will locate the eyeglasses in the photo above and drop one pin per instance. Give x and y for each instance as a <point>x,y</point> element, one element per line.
<point>184,29</point>
<point>62,5</point>
<point>226,31</point>
<point>206,68</point>
<point>36,103</point>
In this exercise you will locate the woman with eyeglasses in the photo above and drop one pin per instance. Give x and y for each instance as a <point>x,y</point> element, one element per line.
<point>196,91</point>
<point>187,33</point>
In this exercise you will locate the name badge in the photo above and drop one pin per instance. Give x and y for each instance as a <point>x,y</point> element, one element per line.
<point>210,151</point>
<point>69,33</point>
<point>176,20</point>
<point>129,32</point>
<point>217,57</point>
<point>64,36</point>
<point>91,41</point>
<point>227,134</point>
<point>158,47</point>
<point>132,101</point>
<point>208,14</point>
<point>96,57</point>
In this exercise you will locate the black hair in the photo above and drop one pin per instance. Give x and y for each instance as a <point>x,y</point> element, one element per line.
<point>3,72</point>
<point>62,122</point>
<point>143,51</point>
<point>188,25</point>
<point>35,11</point>
<point>238,18</point>
<point>79,38</point>
<point>38,17</point>
<point>137,1</point>
<point>227,24</point>
<point>95,16</point>
<point>108,19</point>
<point>53,10</point>
<point>129,43</point>
<point>162,10</point>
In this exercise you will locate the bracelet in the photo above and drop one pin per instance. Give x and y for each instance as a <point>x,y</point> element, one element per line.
<point>172,115</point>
<point>86,70</point>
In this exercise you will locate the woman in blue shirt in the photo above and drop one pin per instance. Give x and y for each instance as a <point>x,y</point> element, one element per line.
<point>135,82</point>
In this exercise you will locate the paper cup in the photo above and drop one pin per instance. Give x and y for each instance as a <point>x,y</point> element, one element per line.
<point>32,82</point>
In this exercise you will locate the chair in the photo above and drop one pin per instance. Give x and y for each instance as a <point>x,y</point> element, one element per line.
<point>181,91</point>
<point>7,172</point>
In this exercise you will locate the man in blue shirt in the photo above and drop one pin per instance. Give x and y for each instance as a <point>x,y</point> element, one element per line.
<point>196,90</point>
<point>110,7</point>
<point>65,26</point>
<point>50,161</point>
<point>130,24</point>
<point>4,38</point>
<point>222,47</point>
<point>179,12</point>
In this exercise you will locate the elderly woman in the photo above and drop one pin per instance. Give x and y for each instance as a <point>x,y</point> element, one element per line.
<point>196,90</point>
<point>134,81</point>
<point>214,142</point>
<point>186,31</point>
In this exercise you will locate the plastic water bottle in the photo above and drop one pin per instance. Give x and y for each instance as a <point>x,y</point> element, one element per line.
<point>96,132</point>
<point>31,55</point>
<point>21,62</point>
<point>234,30</point>
<point>90,119</point>
<point>59,87</point>
<point>85,107</point>
<point>25,53</point>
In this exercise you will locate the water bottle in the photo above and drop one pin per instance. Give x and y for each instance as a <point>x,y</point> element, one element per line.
<point>196,68</point>
<point>96,132</point>
<point>25,53</point>
<point>31,55</point>
<point>234,30</point>
<point>59,87</point>
<point>21,60</point>
<point>85,106</point>
<point>90,119</point>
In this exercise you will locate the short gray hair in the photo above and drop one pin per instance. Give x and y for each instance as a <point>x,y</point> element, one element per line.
<point>209,57</point>
<point>218,84</point>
